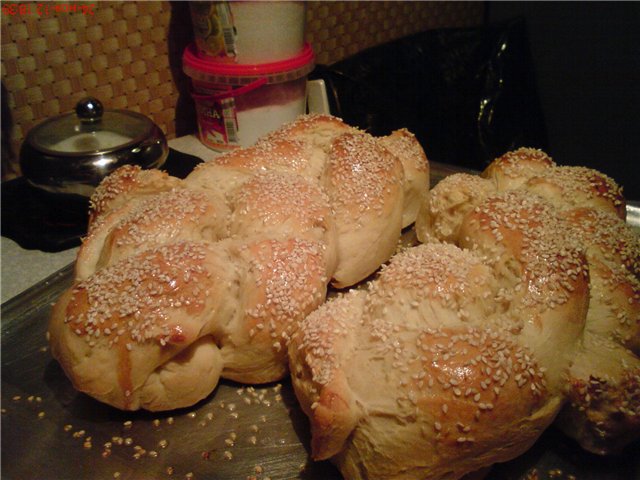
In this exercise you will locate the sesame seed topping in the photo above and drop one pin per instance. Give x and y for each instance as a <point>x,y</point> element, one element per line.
<point>361,171</point>
<point>133,294</point>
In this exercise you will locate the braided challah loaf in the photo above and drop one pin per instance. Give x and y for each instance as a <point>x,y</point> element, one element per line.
<point>452,359</point>
<point>521,307</point>
<point>181,282</point>
<point>603,385</point>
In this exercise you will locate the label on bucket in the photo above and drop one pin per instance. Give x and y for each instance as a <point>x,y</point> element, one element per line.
<point>213,28</point>
<point>218,123</point>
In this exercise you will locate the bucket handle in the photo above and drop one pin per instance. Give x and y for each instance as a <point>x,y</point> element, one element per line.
<point>231,93</point>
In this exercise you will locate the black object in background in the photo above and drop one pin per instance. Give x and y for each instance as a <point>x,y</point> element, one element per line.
<point>37,220</point>
<point>587,63</point>
<point>469,95</point>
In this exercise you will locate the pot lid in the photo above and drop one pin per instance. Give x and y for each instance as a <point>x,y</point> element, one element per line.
<point>90,129</point>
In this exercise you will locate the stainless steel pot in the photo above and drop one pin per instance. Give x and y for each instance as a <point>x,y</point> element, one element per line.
<point>72,153</point>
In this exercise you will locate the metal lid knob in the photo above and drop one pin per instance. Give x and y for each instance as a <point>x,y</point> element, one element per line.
<point>89,110</point>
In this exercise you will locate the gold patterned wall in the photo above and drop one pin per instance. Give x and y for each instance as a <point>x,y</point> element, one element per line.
<point>128,54</point>
<point>339,29</point>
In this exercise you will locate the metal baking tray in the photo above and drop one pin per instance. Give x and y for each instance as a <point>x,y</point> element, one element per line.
<point>50,431</point>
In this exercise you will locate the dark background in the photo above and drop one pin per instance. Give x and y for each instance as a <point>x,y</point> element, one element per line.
<point>586,58</point>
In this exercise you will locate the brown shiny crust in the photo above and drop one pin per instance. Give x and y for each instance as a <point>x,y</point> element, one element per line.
<point>117,196</point>
<point>282,154</point>
<point>566,187</point>
<point>613,251</point>
<point>603,409</point>
<point>112,332</point>
<point>591,209</point>
<point>174,215</point>
<point>210,276</point>
<point>318,130</point>
<point>317,353</point>
<point>284,281</point>
<point>462,361</point>
<point>604,394</point>
<point>531,259</point>
<point>288,206</point>
<point>606,237</point>
<point>364,184</point>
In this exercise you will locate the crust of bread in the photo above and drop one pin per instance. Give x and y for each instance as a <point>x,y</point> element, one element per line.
<point>404,145</point>
<point>591,210</point>
<point>364,184</point>
<point>232,258</point>
<point>451,385</point>
<point>530,258</point>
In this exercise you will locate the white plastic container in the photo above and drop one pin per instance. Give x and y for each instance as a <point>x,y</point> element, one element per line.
<point>247,32</point>
<point>237,104</point>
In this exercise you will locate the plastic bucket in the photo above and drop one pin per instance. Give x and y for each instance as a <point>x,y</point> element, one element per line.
<point>248,32</point>
<point>237,104</point>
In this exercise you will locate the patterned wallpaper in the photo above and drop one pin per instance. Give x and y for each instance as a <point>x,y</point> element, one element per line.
<point>128,54</point>
<point>340,29</point>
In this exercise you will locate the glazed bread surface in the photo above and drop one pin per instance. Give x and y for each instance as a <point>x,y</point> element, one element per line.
<point>182,282</point>
<point>520,309</point>
<point>466,351</point>
<point>604,407</point>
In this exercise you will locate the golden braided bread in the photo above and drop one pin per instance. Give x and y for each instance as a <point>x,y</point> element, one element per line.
<point>603,384</point>
<point>181,282</point>
<point>521,307</point>
<point>452,359</point>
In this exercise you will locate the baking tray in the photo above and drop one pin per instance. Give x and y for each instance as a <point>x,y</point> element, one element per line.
<point>50,431</point>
